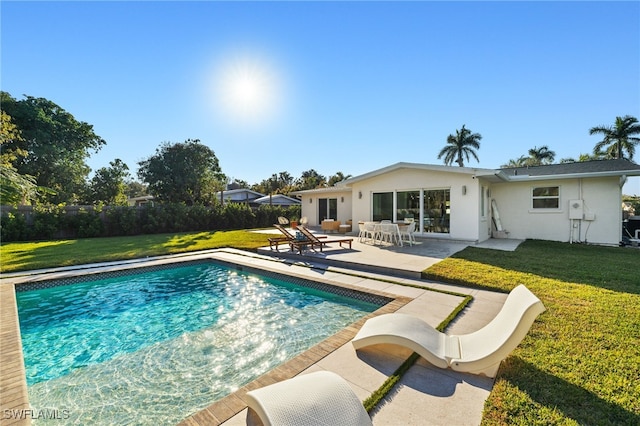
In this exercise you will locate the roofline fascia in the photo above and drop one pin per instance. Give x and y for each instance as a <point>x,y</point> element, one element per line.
<point>617,173</point>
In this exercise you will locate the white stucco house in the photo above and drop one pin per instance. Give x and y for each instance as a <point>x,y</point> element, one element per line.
<point>571,202</point>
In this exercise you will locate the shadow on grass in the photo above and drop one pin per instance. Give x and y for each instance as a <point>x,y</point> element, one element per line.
<point>571,400</point>
<point>612,268</point>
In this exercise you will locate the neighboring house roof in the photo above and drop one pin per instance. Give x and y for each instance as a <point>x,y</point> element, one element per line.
<point>239,195</point>
<point>277,199</point>
<point>595,168</point>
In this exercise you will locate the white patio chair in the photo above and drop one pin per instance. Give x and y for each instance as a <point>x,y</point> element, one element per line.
<point>370,232</point>
<point>389,233</point>
<point>479,352</point>
<point>407,231</point>
<point>320,398</point>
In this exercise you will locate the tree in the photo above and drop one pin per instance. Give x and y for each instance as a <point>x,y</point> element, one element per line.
<point>617,138</point>
<point>464,143</point>
<point>108,185</point>
<point>183,172</point>
<point>57,145</point>
<point>133,188</point>
<point>518,162</point>
<point>14,187</point>
<point>540,156</point>
<point>311,179</point>
<point>338,177</point>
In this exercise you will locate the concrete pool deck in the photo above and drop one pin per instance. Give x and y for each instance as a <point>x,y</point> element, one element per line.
<point>425,395</point>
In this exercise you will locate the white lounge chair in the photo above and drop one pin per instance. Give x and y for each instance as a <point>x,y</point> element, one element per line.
<point>320,398</point>
<point>479,352</point>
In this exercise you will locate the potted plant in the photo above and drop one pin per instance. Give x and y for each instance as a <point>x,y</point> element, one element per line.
<point>293,222</point>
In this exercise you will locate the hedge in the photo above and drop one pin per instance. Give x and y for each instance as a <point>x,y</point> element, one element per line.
<point>28,223</point>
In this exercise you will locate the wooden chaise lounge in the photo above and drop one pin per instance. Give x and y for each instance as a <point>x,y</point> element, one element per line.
<point>314,241</point>
<point>285,238</point>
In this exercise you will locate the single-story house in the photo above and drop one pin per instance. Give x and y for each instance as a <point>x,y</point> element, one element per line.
<point>570,202</point>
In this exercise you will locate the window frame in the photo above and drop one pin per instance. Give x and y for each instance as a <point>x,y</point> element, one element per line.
<point>546,197</point>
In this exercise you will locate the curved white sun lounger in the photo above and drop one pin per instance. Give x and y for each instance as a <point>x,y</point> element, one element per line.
<point>314,399</point>
<point>479,352</point>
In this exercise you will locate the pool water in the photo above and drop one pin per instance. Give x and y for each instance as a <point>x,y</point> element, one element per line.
<point>155,347</point>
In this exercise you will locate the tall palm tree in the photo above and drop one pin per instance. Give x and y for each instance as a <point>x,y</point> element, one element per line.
<point>542,155</point>
<point>618,138</point>
<point>462,144</point>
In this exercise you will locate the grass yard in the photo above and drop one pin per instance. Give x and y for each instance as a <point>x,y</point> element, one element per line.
<point>580,363</point>
<point>48,254</point>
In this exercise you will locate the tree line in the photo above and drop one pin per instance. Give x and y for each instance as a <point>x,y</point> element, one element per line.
<point>44,153</point>
<point>44,150</point>
<point>618,141</point>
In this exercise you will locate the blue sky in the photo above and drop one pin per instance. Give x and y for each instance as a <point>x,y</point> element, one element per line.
<point>330,86</point>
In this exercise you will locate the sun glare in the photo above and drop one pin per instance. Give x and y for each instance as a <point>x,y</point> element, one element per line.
<point>248,91</point>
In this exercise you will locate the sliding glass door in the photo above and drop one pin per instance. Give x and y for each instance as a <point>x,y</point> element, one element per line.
<point>382,206</point>
<point>327,208</point>
<point>436,210</point>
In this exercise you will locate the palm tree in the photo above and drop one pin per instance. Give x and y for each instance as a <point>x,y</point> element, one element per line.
<point>617,138</point>
<point>462,144</point>
<point>539,156</point>
<point>518,162</point>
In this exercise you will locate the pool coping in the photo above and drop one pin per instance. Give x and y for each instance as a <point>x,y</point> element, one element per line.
<point>13,387</point>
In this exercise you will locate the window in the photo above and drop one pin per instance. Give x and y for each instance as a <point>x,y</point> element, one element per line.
<point>546,197</point>
<point>407,205</point>
<point>483,209</point>
<point>382,206</point>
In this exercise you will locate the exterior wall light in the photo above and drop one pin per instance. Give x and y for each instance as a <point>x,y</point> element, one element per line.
<point>360,194</point>
<point>464,189</point>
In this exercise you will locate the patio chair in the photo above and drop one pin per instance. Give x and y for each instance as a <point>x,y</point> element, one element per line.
<point>283,220</point>
<point>480,352</point>
<point>286,237</point>
<point>407,231</point>
<point>320,398</point>
<point>389,232</point>
<point>369,231</point>
<point>315,241</point>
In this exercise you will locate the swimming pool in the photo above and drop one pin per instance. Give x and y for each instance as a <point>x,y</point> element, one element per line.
<point>157,346</point>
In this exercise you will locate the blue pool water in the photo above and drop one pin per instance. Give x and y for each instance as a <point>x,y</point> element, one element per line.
<point>155,347</point>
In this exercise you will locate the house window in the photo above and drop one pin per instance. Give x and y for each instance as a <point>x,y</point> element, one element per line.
<point>546,197</point>
<point>437,210</point>
<point>382,206</point>
<point>483,209</point>
<point>407,205</point>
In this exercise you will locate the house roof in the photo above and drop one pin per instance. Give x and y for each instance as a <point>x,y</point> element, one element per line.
<point>419,166</point>
<point>279,199</point>
<point>595,168</point>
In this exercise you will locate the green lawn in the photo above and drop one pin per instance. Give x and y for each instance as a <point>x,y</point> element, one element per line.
<point>579,364</point>
<point>47,254</point>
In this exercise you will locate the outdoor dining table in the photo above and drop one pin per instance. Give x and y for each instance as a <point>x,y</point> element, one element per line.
<point>378,230</point>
